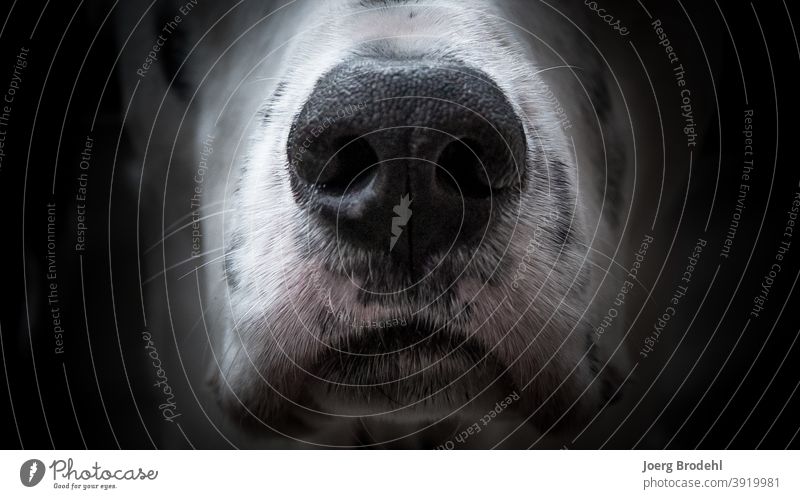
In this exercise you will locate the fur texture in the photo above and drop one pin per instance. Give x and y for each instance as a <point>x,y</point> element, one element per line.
<point>515,313</point>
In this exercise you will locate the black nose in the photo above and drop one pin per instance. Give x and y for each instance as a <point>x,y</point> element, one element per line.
<point>410,158</point>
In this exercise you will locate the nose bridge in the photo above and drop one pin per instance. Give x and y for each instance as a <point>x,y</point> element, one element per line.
<point>406,157</point>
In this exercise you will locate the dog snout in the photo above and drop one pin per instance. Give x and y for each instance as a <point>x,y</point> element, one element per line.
<point>411,158</point>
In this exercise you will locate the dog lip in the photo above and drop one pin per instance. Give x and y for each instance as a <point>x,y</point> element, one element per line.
<point>422,377</point>
<point>385,337</point>
<point>397,335</point>
<point>413,363</point>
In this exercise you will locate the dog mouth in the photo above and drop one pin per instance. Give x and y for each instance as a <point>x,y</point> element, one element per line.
<point>409,371</point>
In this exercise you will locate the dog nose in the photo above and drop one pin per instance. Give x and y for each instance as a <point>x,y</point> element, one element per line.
<point>410,158</point>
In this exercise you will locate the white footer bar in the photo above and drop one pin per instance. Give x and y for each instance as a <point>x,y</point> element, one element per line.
<point>411,474</point>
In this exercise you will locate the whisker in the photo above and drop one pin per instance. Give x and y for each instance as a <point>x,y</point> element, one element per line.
<point>209,262</point>
<point>171,267</point>
<point>565,66</point>
<point>182,227</point>
<point>184,217</point>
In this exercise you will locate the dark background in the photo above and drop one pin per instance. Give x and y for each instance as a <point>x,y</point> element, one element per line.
<point>83,398</point>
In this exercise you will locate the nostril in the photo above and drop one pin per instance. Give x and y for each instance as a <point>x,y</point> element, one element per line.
<point>376,133</point>
<point>351,166</point>
<point>461,170</point>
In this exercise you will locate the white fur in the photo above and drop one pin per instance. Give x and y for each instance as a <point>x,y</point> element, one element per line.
<point>265,331</point>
